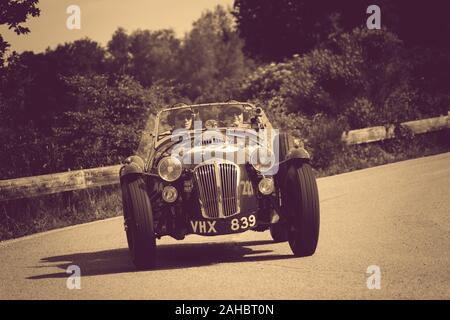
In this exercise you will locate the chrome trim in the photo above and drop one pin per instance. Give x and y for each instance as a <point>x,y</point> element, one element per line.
<point>219,179</point>
<point>218,185</point>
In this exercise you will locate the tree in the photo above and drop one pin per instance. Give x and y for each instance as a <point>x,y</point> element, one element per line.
<point>212,59</point>
<point>115,113</point>
<point>31,89</point>
<point>119,59</point>
<point>275,30</point>
<point>416,23</point>
<point>82,56</point>
<point>33,86</point>
<point>361,75</point>
<point>13,13</point>
<point>154,55</point>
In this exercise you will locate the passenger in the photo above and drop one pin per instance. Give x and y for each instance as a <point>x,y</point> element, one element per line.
<point>182,119</point>
<point>233,115</point>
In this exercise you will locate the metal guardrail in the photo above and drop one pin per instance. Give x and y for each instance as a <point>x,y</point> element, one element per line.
<point>28,187</point>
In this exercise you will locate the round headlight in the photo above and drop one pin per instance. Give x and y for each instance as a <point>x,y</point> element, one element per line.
<point>266,186</point>
<point>169,168</point>
<point>262,159</point>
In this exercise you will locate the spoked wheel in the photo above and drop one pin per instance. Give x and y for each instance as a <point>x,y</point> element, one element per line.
<point>301,201</point>
<point>138,216</point>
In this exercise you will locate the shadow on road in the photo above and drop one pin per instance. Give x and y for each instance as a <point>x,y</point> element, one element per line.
<point>170,256</point>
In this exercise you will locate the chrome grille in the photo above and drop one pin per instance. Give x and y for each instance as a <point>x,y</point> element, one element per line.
<point>217,182</point>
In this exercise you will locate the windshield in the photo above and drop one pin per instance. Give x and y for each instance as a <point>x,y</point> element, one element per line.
<point>198,117</point>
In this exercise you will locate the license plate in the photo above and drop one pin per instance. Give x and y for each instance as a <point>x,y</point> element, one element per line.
<point>234,224</point>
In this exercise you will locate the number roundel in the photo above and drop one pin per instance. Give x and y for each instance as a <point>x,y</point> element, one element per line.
<point>247,188</point>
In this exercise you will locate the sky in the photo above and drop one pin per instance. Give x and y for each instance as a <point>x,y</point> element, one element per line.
<point>100,18</point>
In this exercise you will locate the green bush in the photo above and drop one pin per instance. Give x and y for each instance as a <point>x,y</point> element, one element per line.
<point>362,75</point>
<point>323,139</point>
<point>321,135</point>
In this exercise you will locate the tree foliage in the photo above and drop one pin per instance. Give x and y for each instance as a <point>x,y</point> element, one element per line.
<point>12,14</point>
<point>212,60</point>
<point>111,124</point>
<point>275,30</point>
<point>364,75</point>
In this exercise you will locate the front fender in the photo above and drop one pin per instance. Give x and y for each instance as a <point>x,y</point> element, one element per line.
<point>297,153</point>
<point>294,156</point>
<point>290,152</point>
<point>132,165</point>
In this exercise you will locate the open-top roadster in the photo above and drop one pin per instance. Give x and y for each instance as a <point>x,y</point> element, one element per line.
<point>216,169</point>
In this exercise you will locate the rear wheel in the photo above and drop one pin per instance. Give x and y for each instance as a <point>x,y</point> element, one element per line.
<point>301,201</point>
<point>139,222</point>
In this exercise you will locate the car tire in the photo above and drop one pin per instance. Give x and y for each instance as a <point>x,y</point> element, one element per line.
<point>279,232</point>
<point>139,222</point>
<point>301,199</point>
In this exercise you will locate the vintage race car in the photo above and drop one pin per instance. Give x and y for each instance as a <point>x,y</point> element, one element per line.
<point>215,169</point>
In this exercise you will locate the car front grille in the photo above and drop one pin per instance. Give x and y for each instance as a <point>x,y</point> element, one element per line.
<point>217,182</point>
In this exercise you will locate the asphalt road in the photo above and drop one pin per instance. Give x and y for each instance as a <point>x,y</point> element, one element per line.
<point>395,216</point>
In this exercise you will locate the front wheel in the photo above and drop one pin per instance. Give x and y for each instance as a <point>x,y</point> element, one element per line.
<point>139,222</point>
<point>279,232</point>
<point>301,201</point>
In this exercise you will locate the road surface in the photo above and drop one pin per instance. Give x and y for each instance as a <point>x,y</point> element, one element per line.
<point>396,217</point>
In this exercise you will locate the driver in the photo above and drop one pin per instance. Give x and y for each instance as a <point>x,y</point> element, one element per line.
<point>233,115</point>
<point>182,119</point>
